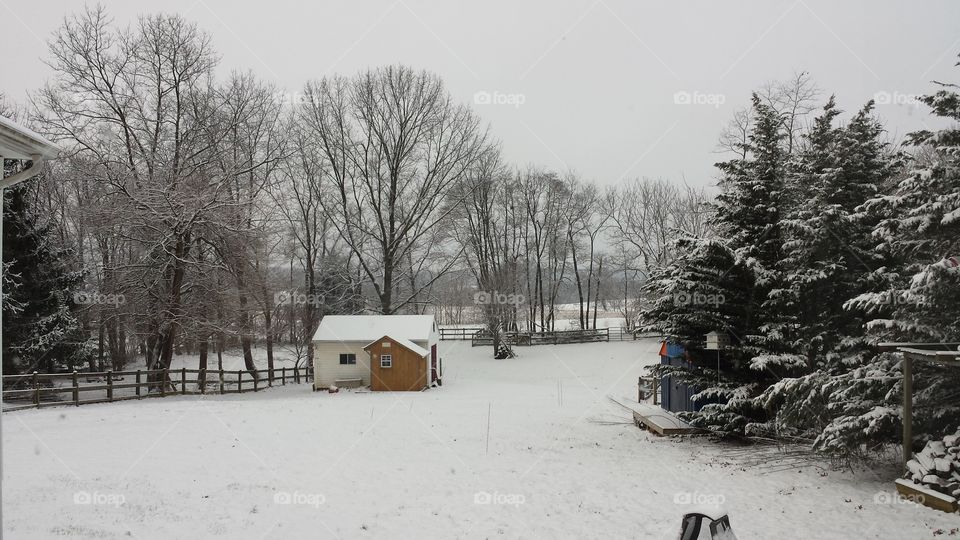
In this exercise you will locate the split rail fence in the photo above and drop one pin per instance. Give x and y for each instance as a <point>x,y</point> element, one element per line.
<point>38,390</point>
<point>483,338</point>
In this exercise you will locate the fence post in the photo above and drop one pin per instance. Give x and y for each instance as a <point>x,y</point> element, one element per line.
<point>109,385</point>
<point>183,381</point>
<point>163,382</point>
<point>239,381</point>
<point>256,379</point>
<point>76,389</point>
<point>202,381</point>
<point>221,381</point>
<point>138,385</point>
<point>283,376</point>
<point>36,389</point>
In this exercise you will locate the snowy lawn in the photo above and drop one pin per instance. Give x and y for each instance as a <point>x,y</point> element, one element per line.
<point>291,463</point>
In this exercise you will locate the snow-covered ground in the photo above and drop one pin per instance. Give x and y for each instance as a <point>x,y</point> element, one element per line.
<point>511,449</point>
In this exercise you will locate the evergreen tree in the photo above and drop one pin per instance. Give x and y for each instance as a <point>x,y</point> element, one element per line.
<point>748,218</point>
<point>831,257</point>
<point>706,288</point>
<point>852,403</point>
<point>740,270</point>
<point>921,230</point>
<point>41,332</point>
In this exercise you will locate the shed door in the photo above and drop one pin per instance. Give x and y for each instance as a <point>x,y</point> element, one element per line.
<point>434,373</point>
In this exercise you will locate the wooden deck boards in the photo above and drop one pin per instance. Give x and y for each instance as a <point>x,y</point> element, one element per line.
<point>660,421</point>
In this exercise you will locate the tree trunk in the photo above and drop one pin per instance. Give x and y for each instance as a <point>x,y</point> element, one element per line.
<point>203,363</point>
<point>267,318</point>
<point>576,273</point>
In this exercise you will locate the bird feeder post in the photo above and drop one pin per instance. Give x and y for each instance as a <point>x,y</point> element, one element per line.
<point>715,342</point>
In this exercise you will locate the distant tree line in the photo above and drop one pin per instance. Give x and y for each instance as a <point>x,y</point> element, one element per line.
<point>190,214</point>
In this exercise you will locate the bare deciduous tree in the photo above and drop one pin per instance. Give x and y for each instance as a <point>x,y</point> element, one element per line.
<point>393,143</point>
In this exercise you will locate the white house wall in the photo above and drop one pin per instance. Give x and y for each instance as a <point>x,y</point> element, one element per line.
<point>327,367</point>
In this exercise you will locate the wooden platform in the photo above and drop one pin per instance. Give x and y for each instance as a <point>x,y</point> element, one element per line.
<point>660,421</point>
<point>926,496</point>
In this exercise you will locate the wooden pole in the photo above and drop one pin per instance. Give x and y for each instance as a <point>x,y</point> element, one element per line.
<point>239,381</point>
<point>36,389</point>
<point>202,381</point>
<point>109,385</point>
<point>221,381</point>
<point>183,381</point>
<point>163,382</point>
<point>138,385</point>
<point>907,409</point>
<point>283,376</point>
<point>76,389</point>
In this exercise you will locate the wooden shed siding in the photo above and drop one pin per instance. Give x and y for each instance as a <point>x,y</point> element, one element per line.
<point>409,371</point>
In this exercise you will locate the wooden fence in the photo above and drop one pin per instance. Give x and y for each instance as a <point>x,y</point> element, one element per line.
<point>543,338</point>
<point>482,337</point>
<point>459,333</point>
<point>37,390</point>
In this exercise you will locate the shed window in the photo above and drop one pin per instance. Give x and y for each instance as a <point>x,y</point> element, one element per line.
<point>348,358</point>
<point>386,360</point>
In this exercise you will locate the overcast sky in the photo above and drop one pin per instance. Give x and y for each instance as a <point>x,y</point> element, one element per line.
<point>582,85</point>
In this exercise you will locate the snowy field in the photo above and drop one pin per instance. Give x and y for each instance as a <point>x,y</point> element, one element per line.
<point>289,463</point>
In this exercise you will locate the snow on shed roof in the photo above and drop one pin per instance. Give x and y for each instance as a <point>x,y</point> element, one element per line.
<point>405,342</point>
<point>367,328</point>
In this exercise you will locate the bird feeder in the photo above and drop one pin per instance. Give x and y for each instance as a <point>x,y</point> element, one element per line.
<point>717,341</point>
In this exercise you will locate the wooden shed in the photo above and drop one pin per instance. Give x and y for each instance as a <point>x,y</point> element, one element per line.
<point>397,365</point>
<point>341,356</point>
